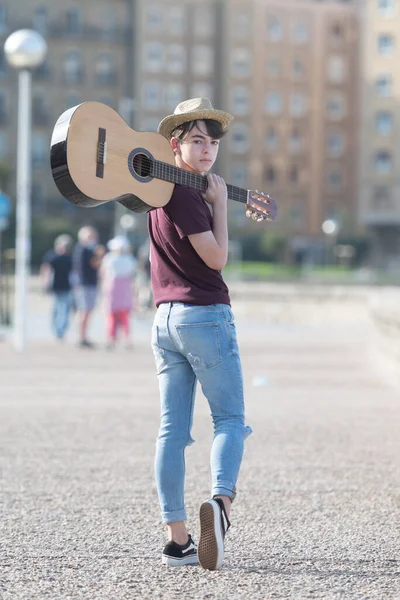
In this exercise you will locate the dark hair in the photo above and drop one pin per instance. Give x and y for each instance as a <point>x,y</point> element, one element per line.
<point>213,127</point>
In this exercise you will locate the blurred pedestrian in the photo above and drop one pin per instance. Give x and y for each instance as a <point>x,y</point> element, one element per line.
<point>55,274</point>
<point>118,270</point>
<point>86,261</point>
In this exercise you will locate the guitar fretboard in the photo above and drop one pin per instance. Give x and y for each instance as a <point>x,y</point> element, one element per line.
<point>167,172</point>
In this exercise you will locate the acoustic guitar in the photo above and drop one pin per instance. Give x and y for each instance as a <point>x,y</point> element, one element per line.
<point>96,157</point>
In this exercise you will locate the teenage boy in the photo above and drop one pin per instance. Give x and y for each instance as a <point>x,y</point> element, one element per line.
<point>194,337</point>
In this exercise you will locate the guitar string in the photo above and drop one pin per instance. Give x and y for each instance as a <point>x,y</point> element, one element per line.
<point>173,174</point>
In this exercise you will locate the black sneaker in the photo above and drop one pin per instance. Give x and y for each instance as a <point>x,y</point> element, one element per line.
<point>176,555</point>
<point>214,524</point>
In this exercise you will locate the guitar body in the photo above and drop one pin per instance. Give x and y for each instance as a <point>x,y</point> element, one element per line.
<point>96,157</point>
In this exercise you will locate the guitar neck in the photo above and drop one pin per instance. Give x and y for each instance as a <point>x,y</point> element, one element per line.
<point>173,174</point>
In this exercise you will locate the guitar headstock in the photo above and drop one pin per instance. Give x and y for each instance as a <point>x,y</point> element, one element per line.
<point>260,207</point>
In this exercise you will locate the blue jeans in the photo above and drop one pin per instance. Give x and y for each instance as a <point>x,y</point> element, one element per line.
<point>193,343</point>
<point>61,311</point>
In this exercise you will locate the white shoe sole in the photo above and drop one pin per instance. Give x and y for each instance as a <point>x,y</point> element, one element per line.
<point>179,562</point>
<point>211,544</point>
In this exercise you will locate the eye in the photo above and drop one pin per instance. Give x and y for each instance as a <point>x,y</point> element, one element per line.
<point>215,143</point>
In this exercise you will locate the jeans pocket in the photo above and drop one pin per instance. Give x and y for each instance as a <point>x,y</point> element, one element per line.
<point>201,344</point>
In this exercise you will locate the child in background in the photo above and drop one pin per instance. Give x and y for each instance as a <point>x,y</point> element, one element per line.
<point>118,270</point>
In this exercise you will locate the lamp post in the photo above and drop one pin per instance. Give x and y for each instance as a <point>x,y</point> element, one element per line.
<point>25,50</point>
<point>331,229</point>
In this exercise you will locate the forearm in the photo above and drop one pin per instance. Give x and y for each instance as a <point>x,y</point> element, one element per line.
<point>220,229</point>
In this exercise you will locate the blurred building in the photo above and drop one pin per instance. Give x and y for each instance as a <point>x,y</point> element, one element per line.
<point>289,70</point>
<point>88,51</point>
<point>289,73</point>
<point>380,118</point>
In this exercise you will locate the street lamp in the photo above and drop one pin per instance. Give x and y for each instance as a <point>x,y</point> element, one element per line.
<point>331,229</point>
<point>25,50</point>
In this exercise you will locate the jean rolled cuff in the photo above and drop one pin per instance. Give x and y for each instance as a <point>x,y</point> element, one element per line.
<point>173,516</point>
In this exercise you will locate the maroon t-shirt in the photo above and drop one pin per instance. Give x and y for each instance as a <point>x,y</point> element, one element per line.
<point>178,274</point>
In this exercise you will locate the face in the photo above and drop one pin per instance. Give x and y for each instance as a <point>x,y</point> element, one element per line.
<point>197,152</point>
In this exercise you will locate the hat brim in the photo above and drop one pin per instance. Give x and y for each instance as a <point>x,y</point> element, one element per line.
<point>168,124</point>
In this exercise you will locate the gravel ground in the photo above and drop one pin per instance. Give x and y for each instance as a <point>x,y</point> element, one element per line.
<point>317,513</point>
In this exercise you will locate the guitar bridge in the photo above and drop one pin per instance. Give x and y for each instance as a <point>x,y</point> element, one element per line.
<point>101,153</point>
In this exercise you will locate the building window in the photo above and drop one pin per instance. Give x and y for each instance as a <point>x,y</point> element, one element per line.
<point>274,29</point>
<point>174,93</point>
<point>272,139</point>
<point>384,123</point>
<point>293,174</point>
<point>385,44</point>
<point>382,198</point>
<point>154,17</point>
<point>74,21</point>
<point>149,124</point>
<point>239,175</point>
<point>384,85</point>
<point>40,109</point>
<point>241,24</point>
<point>176,15</point>
<point>337,33</point>
<point>240,138</point>
<point>152,95</point>
<point>3,63</point>
<point>3,17</point>
<point>334,179</point>
<point>298,68</point>
<point>3,108</point>
<point>295,141</point>
<point>176,62</point>
<point>273,103</point>
<point>202,90</point>
<point>336,69</point>
<point>38,196</point>
<point>40,19</point>
<point>40,149</point>
<point>240,100</point>
<point>72,99</point>
<point>271,175</point>
<point>383,162</point>
<point>335,144</point>
<point>298,104</point>
<point>273,67</point>
<point>336,107</point>
<point>204,21</point>
<point>202,60</point>
<point>387,8</point>
<point>297,214</point>
<point>73,67</point>
<point>3,145</point>
<point>300,33</point>
<point>241,62</point>
<point>154,57</point>
<point>106,69</point>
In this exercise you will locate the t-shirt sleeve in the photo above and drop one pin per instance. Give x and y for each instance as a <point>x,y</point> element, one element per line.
<point>188,211</point>
<point>48,257</point>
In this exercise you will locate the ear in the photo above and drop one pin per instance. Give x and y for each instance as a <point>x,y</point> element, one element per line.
<point>175,145</point>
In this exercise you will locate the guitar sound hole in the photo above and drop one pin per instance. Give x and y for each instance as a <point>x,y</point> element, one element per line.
<point>142,165</point>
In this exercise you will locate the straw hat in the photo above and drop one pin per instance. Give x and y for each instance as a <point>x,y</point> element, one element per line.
<point>193,110</point>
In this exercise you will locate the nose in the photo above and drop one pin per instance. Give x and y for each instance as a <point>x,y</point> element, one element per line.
<point>207,147</point>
